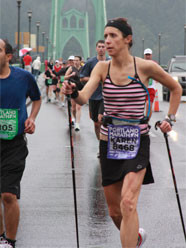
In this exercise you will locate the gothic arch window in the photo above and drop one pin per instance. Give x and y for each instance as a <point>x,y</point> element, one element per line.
<point>81,23</point>
<point>73,22</point>
<point>65,23</point>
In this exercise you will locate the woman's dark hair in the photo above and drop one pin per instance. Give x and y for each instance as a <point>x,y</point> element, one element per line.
<point>121,24</point>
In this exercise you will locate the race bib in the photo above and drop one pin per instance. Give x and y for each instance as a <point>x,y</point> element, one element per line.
<point>123,141</point>
<point>62,78</point>
<point>8,123</point>
<point>50,81</point>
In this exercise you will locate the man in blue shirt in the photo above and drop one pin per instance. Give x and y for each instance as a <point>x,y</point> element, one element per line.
<point>96,107</point>
<point>16,85</point>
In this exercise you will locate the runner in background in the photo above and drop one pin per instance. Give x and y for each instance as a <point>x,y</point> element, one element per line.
<point>51,64</point>
<point>73,73</point>
<point>62,78</point>
<point>152,84</point>
<point>48,82</point>
<point>56,80</point>
<point>46,64</point>
<point>60,74</point>
<point>96,100</point>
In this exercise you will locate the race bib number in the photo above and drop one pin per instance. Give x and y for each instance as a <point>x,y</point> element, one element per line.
<point>50,81</point>
<point>8,123</point>
<point>123,141</point>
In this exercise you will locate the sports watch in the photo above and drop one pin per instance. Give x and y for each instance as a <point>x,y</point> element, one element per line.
<point>172,117</point>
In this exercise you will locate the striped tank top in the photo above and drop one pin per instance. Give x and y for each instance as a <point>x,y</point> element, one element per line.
<point>124,101</point>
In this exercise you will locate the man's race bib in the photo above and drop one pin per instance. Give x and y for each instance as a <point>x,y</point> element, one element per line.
<point>62,78</point>
<point>8,123</point>
<point>123,141</point>
<point>50,81</point>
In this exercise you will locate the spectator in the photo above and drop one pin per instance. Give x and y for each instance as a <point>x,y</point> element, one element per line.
<point>36,67</point>
<point>28,62</point>
<point>152,84</point>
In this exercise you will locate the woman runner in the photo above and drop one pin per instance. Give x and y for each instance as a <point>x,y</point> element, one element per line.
<point>124,145</point>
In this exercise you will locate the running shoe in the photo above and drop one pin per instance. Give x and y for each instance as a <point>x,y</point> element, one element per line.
<point>2,237</point>
<point>73,122</point>
<point>76,127</point>
<point>4,244</point>
<point>48,100</point>
<point>142,235</point>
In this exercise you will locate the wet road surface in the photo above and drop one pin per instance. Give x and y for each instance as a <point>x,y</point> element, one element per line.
<point>47,205</point>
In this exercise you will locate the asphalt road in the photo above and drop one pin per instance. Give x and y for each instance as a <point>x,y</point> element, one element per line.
<point>47,205</point>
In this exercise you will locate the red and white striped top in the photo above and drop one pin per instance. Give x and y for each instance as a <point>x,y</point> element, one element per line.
<point>126,102</point>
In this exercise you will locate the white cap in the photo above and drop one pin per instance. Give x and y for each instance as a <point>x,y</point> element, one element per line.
<point>71,57</point>
<point>148,51</point>
<point>57,61</point>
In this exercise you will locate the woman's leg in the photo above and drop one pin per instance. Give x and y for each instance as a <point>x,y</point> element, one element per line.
<point>50,92</point>
<point>113,198</point>
<point>73,109</point>
<point>62,96</point>
<point>129,198</point>
<point>78,113</point>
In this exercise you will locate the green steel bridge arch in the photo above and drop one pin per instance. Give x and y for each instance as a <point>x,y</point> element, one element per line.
<point>73,24</point>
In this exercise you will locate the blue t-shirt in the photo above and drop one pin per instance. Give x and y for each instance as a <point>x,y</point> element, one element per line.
<point>86,71</point>
<point>14,91</point>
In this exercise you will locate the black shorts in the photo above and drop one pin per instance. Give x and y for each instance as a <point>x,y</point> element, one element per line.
<point>115,170</point>
<point>54,81</point>
<point>96,107</point>
<point>12,158</point>
<point>46,83</point>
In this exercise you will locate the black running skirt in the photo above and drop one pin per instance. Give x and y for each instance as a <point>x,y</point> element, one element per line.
<point>115,170</point>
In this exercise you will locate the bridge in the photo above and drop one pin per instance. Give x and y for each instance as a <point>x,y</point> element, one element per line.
<point>72,27</point>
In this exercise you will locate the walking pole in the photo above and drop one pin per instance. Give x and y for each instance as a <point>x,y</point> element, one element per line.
<point>174,178</point>
<point>73,168</point>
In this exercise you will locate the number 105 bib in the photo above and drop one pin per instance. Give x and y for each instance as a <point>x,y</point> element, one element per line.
<point>8,123</point>
<point>123,141</point>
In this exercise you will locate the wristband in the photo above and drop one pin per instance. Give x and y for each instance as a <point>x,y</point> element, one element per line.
<point>169,121</point>
<point>75,94</point>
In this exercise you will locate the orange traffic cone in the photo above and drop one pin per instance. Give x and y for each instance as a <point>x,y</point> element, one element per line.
<point>156,102</point>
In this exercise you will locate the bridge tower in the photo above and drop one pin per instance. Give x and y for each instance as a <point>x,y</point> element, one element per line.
<point>73,25</point>
<point>101,18</point>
